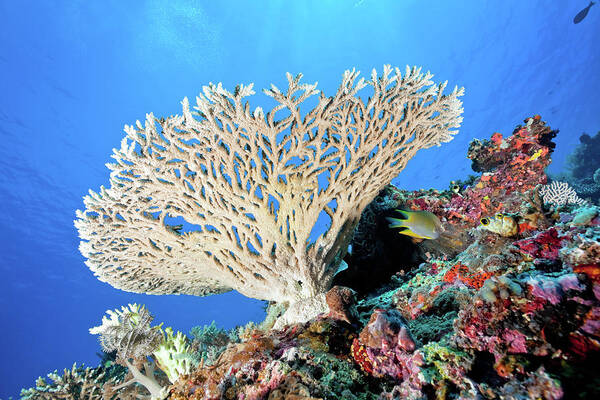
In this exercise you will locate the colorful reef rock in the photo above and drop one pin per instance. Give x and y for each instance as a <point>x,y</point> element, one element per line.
<point>478,313</point>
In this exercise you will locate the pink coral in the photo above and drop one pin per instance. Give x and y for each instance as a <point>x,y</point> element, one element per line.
<point>546,245</point>
<point>510,166</point>
<point>534,321</point>
<point>546,290</point>
<point>516,341</point>
<point>388,347</point>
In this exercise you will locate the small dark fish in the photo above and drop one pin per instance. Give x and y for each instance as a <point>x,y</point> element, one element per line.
<point>581,14</point>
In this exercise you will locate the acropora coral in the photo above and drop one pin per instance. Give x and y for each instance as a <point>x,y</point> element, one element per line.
<point>248,181</point>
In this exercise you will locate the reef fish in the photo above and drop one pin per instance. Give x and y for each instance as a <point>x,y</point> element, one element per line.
<point>582,14</point>
<point>502,224</point>
<point>417,224</point>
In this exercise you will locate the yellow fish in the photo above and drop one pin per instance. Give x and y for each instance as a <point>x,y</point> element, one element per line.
<point>502,224</point>
<point>417,224</point>
<point>536,155</point>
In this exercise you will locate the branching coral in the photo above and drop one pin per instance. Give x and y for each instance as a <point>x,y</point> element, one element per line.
<point>559,194</point>
<point>75,383</point>
<point>173,355</point>
<point>249,183</point>
<point>208,343</point>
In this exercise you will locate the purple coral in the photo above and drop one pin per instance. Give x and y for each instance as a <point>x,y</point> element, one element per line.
<point>389,345</point>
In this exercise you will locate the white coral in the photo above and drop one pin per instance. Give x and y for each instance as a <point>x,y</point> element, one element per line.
<point>75,383</point>
<point>249,183</point>
<point>173,355</point>
<point>560,193</point>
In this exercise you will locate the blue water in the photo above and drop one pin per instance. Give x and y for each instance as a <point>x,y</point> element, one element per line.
<point>72,73</point>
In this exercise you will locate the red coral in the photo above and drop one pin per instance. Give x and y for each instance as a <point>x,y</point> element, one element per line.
<point>582,345</point>
<point>359,354</point>
<point>510,166</point>
<point>462,273</point>
<point>546,245</point>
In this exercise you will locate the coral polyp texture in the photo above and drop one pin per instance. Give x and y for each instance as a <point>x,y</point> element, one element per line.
<point>505,311</point>
<point>246,183</point>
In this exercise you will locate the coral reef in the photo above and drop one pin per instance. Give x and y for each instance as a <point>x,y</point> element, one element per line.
<point>252,186</point>
<point>583,168</point>
<point>208,342</point>
<point>505,304</point>
<point>76,383</point>
<point>510,167</point>
<point>128,333</point>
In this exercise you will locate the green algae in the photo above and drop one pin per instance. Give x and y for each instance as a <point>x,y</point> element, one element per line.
<point>430,328</point>
<point>444,363</point>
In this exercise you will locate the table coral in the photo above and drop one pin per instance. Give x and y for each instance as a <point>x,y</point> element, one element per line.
<point>247,184</point>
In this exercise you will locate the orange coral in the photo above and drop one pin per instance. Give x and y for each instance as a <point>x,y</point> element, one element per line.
<point>477,280</point>
<point>526,226</point>
<point>591,270</point>
<point>462,273</point>
<point>497,138</point>
<point>455,272</point>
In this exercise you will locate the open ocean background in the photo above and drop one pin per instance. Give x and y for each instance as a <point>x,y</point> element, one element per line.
<point>72,73</point>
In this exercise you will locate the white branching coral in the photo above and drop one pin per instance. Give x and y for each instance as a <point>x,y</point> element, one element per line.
<point>559,194</point>
<point>251,186</point>
<point>173,355</point>
<point>75,383</point>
